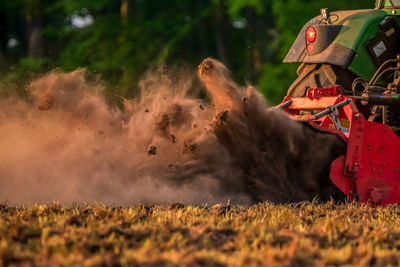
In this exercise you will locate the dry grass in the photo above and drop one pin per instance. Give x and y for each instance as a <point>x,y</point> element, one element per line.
<point>260,235</point>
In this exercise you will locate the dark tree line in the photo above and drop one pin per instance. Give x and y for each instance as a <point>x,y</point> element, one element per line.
<point>121,39</point>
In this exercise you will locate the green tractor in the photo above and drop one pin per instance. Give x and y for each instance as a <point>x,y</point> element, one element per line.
<point>349,84</point>
<point>348,48</point>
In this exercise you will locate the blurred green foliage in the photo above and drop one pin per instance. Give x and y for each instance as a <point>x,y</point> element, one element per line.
<point>122,39</point>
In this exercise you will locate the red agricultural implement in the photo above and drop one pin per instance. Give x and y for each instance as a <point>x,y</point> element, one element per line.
<point>349,83</point>
<point>370,169</point>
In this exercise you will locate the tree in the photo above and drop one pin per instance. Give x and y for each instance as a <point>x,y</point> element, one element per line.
<point>122,39</point>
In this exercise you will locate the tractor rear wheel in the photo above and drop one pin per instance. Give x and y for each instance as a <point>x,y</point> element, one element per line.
<point>320,75</point>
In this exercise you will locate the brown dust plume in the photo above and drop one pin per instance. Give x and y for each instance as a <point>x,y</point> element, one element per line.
<point>69,145</point>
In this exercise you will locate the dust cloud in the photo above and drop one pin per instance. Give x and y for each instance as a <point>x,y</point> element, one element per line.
<point>67,144</point>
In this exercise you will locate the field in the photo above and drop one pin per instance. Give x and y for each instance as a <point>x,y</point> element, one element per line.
<point>261,235</point>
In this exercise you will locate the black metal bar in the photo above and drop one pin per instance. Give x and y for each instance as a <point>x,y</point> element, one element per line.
<point>330,110</point>
<point>284,104</point>
<point>379,99</point>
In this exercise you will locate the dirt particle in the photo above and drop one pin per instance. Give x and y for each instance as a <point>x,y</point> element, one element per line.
<point>152,150</point>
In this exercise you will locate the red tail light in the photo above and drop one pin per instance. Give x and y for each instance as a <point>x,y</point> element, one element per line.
<point>311,34</point>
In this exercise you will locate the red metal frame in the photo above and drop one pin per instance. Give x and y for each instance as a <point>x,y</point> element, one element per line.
<point>370,170</point>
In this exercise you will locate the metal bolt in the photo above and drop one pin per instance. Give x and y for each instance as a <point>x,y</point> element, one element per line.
<point>375,194</point>
<point>384,164</point>
<point>381,150</point>
<point>370,162</point>
<point>355,163</point>
<point>380,171</point>
<point>373,169</point>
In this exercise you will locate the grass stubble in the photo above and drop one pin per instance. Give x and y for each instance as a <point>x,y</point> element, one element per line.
<point>265,234</point>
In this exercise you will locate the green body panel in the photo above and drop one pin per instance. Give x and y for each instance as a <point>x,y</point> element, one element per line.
<point>357,29</point>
